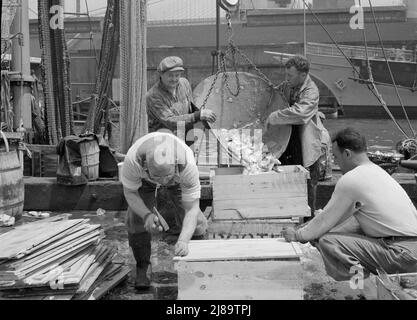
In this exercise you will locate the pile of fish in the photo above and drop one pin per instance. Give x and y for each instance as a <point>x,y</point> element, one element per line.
<point>246,145</point>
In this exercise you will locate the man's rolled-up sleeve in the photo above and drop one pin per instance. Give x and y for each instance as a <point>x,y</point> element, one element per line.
<point>158,108</point>
<point>131,175</point>
<point>190,184</point>
<point>300,112</point>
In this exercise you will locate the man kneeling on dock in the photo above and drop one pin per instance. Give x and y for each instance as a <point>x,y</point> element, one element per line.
<point>160,181</point>
<point>370,222</point>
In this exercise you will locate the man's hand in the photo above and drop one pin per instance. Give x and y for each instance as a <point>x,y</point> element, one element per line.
<point>208,115</point>
<point>289,234</point>
<point>267,123</point>
<point>181,248</point>
<point>152,224</point>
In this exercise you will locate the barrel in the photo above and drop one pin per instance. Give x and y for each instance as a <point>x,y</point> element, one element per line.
<point>90,159</point>
<point>12,190</point>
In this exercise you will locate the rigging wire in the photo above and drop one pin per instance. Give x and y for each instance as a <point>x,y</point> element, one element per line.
<point>389,68</point>
<point>92,46</point>
<point>376,94</point>
<point>371,77</point>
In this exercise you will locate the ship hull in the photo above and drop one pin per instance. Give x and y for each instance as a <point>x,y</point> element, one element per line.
<point>353,96</point>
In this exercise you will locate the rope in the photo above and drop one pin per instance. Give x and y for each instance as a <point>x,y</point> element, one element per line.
<point>133,69</point>
<point>98,112</point>
<point>92,45</point>
<point>371,79</point>
<point>375,93</point>
<point>389,69</point>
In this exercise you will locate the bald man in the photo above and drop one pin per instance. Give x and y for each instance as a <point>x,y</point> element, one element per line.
<point>160,171</point>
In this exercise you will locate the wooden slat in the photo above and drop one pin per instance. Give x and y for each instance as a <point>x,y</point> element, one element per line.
<point>242,249</point>
<point>245,229</point>
<point>109,279</point>
<point>267,195</point>
<point>251,213</point>
<point>31,235</point>
<point>240,280</point>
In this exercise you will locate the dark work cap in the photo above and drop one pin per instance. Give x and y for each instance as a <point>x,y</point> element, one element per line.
<point>171,64</point>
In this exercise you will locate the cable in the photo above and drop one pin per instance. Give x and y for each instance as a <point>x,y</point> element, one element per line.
<point>371,79</point>
<point>389,68</point>
<point>91,34</point>
<point>376,94</point>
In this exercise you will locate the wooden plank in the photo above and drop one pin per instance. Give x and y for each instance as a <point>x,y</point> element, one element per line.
<point>108,283</point>
<point>267,194</point>
<point>81,233</point>
<point>250,213</point>
<point>229,229</point>
<point>102,261</point>
<point>73,246</point>
<point>382,292</point>
<point>31,235</point>
<point>241,249</point>
<point>240,280</point>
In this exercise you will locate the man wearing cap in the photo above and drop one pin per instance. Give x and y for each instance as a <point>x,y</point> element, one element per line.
<point>160,172</point>
<point>170,100</point>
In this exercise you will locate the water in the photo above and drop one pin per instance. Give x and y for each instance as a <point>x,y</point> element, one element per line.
<point>380,134</point>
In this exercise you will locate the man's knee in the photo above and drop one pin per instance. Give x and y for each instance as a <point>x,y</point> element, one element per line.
<point>137,240</point>
<point>327,242</point>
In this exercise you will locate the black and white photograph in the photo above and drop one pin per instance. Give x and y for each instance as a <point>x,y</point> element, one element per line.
<point>208,155</point>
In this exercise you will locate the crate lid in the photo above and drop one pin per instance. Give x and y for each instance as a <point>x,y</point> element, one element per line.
<point>241,249</point>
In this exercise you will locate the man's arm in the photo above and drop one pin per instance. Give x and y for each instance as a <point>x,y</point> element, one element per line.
<point>192,209</point>
<point>136,203</point>
<point>350,225</point>
<point>300,112</point>
<point>338,210</point>
<point>161,111</point>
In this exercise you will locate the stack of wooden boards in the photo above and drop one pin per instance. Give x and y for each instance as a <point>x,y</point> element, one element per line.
<point>58,258</point>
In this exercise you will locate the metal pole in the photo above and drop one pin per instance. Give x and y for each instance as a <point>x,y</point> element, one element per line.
<point>78,7</point>
<point>217,34</point>
<point>305,30</point>
<point>21,81</point>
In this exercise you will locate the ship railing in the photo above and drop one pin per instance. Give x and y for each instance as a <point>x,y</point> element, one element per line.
<point>394,54</point>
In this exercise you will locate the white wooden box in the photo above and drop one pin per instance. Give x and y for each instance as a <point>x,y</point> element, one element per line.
<point>383,291</point>
<point>244,269</point>
<point>263,196</point>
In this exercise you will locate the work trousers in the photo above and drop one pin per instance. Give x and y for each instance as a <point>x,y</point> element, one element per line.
<point>344,253</point>
<point>168,202</point>
<point>293,156</point>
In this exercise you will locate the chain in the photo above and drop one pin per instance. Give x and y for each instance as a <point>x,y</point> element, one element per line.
<point>203,105</point>
<point>231,51</point>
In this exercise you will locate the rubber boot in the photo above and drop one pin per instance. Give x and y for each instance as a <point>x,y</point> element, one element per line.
<point>141,247</point>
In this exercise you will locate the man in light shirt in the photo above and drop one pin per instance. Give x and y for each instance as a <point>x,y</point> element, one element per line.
<point>369,223</point>
<point>160,171</point>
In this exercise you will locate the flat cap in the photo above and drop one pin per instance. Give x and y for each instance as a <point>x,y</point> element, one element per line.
<point>171,64</point>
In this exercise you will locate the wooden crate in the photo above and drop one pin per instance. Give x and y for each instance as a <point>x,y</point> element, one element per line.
<point>263,196</point>
<point>243,269</point>
<point>383,293</point>
<point>247,229</point>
